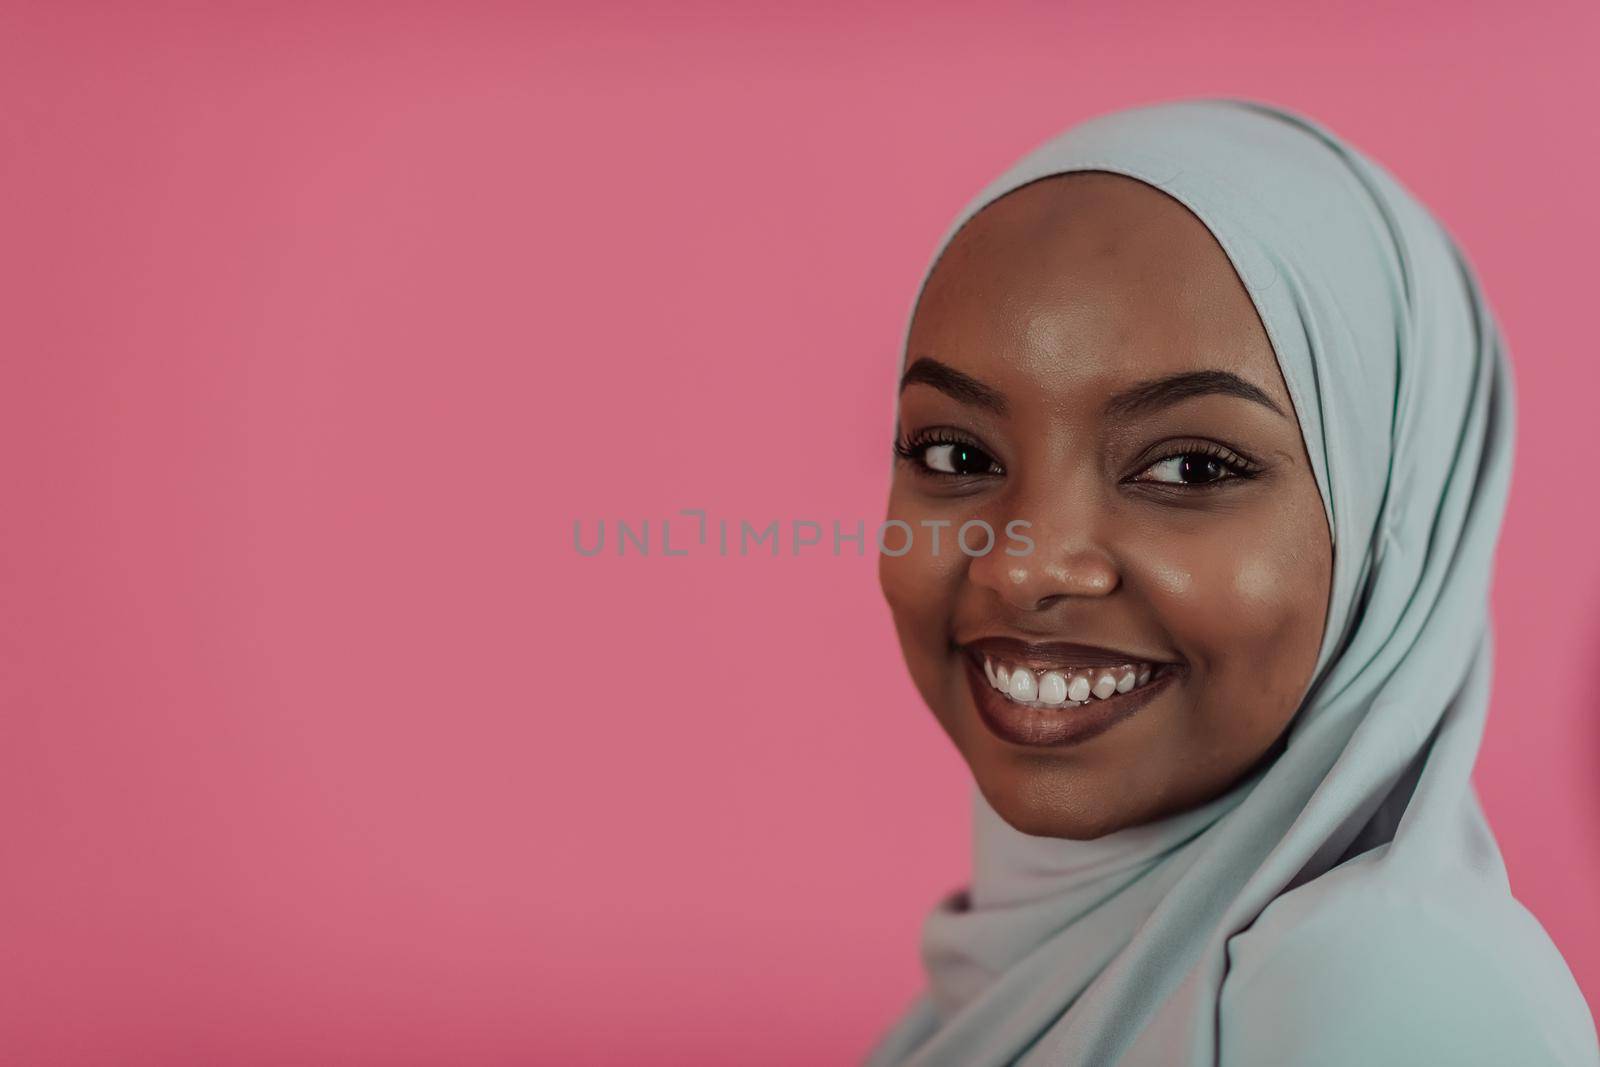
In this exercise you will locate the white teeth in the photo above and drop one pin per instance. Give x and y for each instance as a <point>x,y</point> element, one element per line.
<point>1057,688</point>
<point>1078,688</point>
<point>1053,688</point>
<point>1023,686</point>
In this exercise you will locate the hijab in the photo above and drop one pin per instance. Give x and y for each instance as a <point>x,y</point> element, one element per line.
<point>1347,899</point>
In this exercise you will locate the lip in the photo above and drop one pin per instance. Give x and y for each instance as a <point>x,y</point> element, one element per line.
<point>1058,727</point>
<point>1052,655</point>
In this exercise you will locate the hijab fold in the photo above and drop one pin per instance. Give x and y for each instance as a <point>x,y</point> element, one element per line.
<point>1359,855</point>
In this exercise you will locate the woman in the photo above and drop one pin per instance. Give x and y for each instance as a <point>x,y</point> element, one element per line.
<point>1246,421</point>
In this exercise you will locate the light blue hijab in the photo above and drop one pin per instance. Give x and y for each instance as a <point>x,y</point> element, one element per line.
<point>1347,904</point>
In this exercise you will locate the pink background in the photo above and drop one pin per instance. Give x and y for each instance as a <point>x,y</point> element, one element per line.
<point>319,743</point>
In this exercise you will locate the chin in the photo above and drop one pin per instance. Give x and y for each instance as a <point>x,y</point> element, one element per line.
<point>1037,809</point>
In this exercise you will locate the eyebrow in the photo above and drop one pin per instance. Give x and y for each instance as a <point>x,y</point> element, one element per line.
<point>1133,402</point>
<point>963,387</point>
<point>1146,397</point>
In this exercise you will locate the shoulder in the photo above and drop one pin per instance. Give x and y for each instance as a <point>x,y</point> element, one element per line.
<point>1349,969</point>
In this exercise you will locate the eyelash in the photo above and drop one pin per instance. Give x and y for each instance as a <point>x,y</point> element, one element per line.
<point>912,449</point>
<point>1238,467</point>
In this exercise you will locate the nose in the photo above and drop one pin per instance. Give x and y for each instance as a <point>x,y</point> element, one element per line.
<point>1067,559</point>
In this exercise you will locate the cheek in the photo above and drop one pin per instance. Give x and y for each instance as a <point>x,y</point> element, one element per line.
<point>919,587</point>
<point>922,591</point>
<point>1246,610</point>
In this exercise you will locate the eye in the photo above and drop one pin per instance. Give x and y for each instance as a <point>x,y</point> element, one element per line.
<point>1200,466</point>
<point>944,453</point>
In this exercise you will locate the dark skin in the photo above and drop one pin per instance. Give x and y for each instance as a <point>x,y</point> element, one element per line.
<point>1192,531</point>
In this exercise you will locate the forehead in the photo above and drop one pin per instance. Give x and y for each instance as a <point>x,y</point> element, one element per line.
<point>1085,282</point>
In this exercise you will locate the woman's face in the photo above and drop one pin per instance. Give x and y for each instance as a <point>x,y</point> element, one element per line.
<point>1172,525</point>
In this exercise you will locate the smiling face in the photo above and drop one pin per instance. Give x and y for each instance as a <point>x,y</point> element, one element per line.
<point>1177,525</point>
